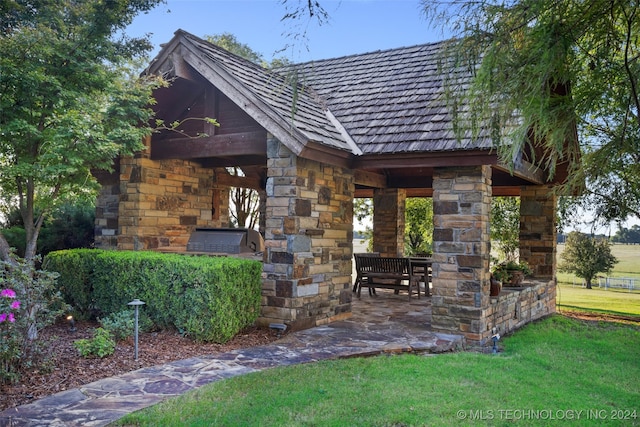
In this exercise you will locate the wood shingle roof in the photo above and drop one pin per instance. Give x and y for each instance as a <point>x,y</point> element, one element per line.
<point>384,102</point>
<point>393,101</point>
<point>387,115</point>
<point>299,113</point>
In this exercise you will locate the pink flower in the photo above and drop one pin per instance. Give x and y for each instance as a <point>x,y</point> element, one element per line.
<point>15,305</point>
<point>3,317</point>
<point>11,318</point>
<point>9,293</point>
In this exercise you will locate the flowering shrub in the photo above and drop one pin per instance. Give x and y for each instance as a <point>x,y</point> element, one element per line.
<point>9,350</point>
<point>7,310</point>
<point>29,302</point>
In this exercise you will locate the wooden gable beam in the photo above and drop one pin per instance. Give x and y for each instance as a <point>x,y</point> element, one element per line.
<point>237,144</point>
<point>524,170</point>
<point>241,161</point>
<point>245,99</point>
<point>439,159</point>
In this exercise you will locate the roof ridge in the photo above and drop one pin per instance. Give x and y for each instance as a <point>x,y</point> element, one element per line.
<point>375,52</point>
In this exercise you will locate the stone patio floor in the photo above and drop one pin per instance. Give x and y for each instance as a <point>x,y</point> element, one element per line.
<point>384,323</point>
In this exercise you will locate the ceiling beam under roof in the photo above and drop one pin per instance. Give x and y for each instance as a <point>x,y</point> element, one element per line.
<point>240,181</point>
<point>370,179</point>
<point>441,159</point>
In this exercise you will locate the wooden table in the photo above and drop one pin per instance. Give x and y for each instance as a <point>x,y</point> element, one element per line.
<point>421,267</point>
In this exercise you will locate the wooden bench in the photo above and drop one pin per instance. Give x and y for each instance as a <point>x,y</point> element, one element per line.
<point>385,272</point>
<point>360,275</point>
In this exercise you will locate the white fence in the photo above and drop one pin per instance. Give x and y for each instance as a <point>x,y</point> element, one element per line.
<point>629,283</point>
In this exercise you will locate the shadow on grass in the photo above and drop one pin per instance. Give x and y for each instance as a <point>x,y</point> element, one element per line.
<point>615,315</point>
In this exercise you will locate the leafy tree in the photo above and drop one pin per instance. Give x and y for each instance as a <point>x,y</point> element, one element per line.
<point>418,226</point>
<point>70,225</point>
<point>229,42</point>
<point>505,226</point>
<point>70,100</point>
<point>363,212</point>
<point>626,235</point>
<point>554,64</point>
<point>586,256</point>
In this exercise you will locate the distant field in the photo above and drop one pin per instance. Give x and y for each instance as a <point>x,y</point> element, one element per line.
<point>572,296</point>
<point>628,265</point>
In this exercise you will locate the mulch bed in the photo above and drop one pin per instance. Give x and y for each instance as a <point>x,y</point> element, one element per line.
<point>68,370</point>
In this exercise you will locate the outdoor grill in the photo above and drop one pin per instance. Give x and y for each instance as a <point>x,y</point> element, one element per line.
<point>225,240</point>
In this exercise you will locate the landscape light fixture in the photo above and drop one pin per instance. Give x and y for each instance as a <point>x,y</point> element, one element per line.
<point>72,323</point>
<point>495,337</point>
<point>136,303</point>
<point>278,328</point>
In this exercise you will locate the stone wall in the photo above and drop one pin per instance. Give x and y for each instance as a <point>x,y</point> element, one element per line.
<point>515,307</point>
<point>160,203</point>
<point>308,240</point>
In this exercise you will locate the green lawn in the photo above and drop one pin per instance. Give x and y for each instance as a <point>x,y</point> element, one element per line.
<point>616,302</point>
<point>558,371</point>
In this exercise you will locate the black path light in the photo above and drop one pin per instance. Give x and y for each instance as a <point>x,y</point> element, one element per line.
<point>72,323</point>
<point>136,303</point>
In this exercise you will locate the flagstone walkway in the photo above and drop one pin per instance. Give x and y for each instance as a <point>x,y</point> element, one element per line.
<point>385,323</point>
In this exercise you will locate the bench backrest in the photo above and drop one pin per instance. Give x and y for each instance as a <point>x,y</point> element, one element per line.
<point>378,264</point>
<point>358,257</point>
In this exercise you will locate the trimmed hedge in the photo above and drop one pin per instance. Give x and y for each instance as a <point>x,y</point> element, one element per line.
<point>207,298</point>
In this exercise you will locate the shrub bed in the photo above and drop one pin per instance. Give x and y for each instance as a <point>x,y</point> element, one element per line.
<point>207,298</point>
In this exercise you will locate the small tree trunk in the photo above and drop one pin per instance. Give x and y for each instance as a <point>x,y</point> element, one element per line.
<point>5,249</point>
<point>588,281</point>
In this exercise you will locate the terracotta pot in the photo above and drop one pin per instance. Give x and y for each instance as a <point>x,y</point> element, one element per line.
<point>517,277</point>
<point>495,289</point>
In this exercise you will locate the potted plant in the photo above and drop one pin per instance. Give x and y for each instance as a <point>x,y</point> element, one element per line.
<point>515,272</point>
<point>498,276</point>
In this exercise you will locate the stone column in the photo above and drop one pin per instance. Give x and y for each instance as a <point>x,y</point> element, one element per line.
<point>262,209</point>
<point>388,221</point>
<point>461,245</point>
<point>106,221</point>
<point>538,240</point>
<point>308,240</point>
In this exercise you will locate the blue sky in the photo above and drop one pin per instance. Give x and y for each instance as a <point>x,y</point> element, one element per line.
<point>355,26</point>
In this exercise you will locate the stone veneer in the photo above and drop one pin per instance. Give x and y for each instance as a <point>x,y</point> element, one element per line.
<point>160,203</point>
<point>538,238</point>
<point>515,307</point>
<point>461,246</point>
<point>389,221</point>
<point>107,207</point>
<point>308,240</point>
